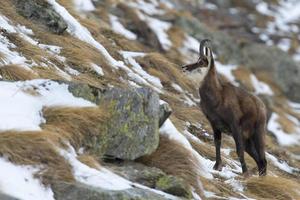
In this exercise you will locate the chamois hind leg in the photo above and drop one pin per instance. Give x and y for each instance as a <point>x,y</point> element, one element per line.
<point>217,141</point>
<point>240,146</point>
<point>251,150</point>
<point>260,149</point>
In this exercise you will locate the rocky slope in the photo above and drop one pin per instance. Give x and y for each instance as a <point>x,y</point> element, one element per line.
<point>93,103</point>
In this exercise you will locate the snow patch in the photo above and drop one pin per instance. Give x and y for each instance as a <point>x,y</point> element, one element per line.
<point>119,28</point>
<point>84,5</point>
<point>138,74</point>
<point>171,132</point>
<point>102,177</point>
<point>150,8</point>
<point>21,103</point>
<point>226,70</point>
<point>283,138</point>
<point>281,164</point>
<point>19,182</point>
<point>82,33</point>
<point>160,29</point>
<point>97,69</point>
<point>260,87</point>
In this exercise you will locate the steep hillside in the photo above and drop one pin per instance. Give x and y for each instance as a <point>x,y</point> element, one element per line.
<point>94,104</point>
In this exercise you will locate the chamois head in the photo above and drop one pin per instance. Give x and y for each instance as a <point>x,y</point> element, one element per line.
<point>199,69</point>
<point>205,57</point>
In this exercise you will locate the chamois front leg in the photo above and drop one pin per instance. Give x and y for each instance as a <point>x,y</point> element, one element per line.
<point>240,147</point>
<point>217,141</point>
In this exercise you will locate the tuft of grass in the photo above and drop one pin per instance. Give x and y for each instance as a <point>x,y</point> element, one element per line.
<point>17,73</point>
<point>80,126</point>
<point>38,149</point>
<point>174,159</point>
<point>271,187</point>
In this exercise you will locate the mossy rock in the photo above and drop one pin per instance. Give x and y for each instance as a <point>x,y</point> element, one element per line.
<point>78,191</point>
<point>175,186</point>
<point>132,130</point>
<point>43,13</point>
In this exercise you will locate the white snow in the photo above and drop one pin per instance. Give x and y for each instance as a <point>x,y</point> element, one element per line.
<point>171,131</point>
<point>283,138</point>
<point>72,71</point>
<point>19,182</point>
<point>281,164</point>
<point>94,177</point>
<point>235,184</point>
<point>97,69</point>
<point>102,177</point>
<point>260,87</point>
<point>226,70</point>
<point>150,8</point>
<point>82,33</point>
<point>177,87</point>
<point>160,29</point>
<point>21,103</point>
<point>137,73</point>
<point>6,47</point>
<point>119,28</point>
<point>84,5</point>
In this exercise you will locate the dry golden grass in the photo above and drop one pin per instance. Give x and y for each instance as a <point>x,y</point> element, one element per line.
<point>38,149</point>
<point>176,35</point>
<point>176,160</point>
<point>271,187</point>
<point>168,69</point>
<point>242,74</point>
<point>17,73</point>
<point>89,161</point>
<point>81,126</point>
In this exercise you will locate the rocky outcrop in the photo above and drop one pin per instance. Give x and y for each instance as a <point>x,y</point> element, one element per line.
<point>77,191</point>
<point>42,13</point>
<point>132,129</point>
<point>133,126</point>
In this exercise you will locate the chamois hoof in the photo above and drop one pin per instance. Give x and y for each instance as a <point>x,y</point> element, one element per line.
<point>218,166</point>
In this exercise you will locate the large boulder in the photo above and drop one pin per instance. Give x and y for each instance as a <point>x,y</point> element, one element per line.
<point>133,126</point>
<point>42,13</point>
<point>77,191</point>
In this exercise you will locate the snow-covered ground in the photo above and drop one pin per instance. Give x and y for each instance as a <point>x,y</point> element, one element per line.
<point>283,138</point>
<point>21,103</point>
<point>19,182</point>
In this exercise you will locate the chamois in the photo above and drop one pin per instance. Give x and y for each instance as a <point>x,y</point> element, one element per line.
<point>230,108</point>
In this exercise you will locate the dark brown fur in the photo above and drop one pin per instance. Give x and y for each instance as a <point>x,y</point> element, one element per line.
<point>231,108</point>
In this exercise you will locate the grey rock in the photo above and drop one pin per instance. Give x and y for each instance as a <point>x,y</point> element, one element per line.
<point>137,172</point>
<point>133,127</point>
<point>281,67</point>
<point>41,12</point>
<point>77,191</point>
<point>164,112</point>
<point>175,186</point>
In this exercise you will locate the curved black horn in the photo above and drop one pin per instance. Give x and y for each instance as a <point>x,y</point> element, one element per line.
<point>205,42</point>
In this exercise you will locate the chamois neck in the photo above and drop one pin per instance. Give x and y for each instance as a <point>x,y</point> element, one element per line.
<point>211,79</point>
